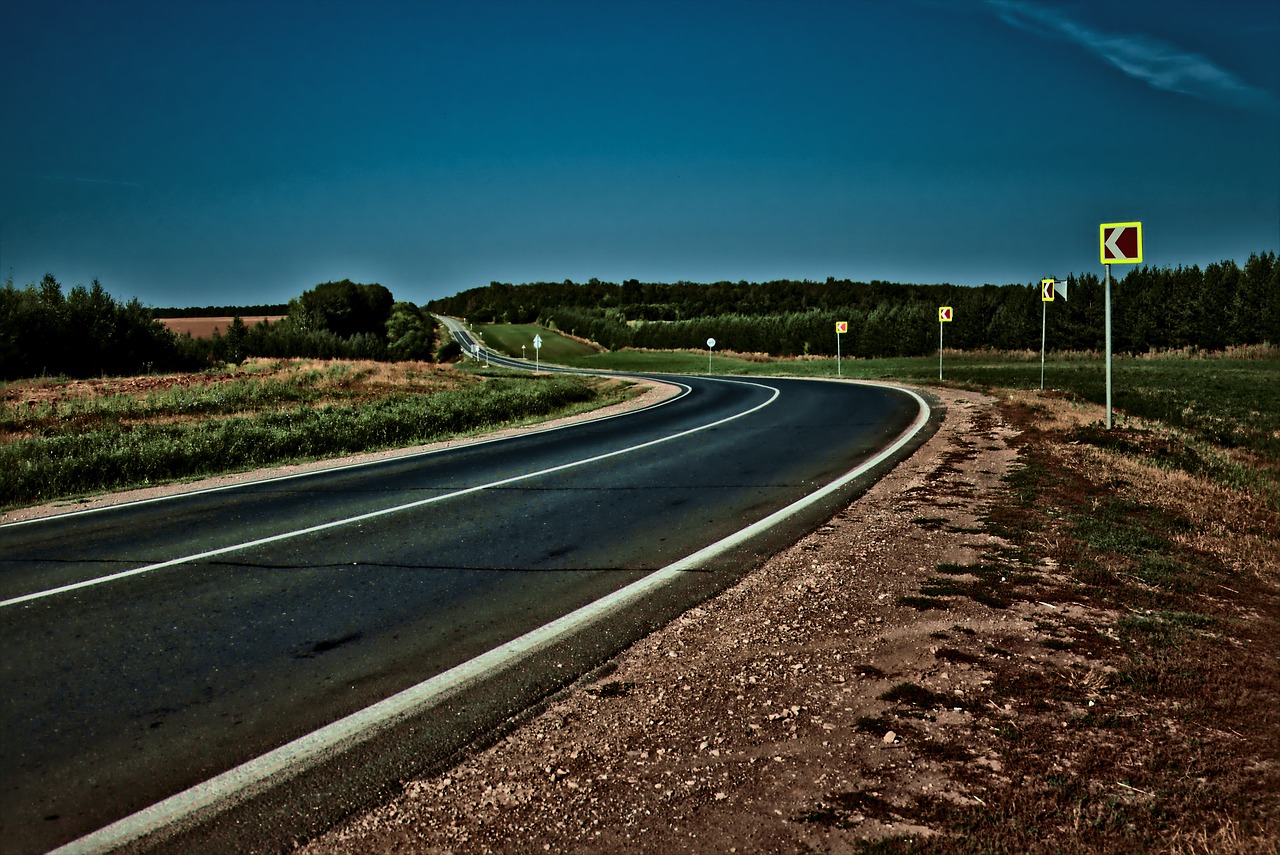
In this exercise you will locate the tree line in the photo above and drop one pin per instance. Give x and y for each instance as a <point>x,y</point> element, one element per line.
<point>88,333</point>
<point>1212,308</point>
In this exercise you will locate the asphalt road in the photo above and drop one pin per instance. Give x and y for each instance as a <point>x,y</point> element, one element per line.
<point>150,647</point>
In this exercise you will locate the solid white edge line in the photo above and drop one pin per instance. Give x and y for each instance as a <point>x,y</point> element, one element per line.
<point>466,443</point>
<point>305,751</point>
<point>289,535</point>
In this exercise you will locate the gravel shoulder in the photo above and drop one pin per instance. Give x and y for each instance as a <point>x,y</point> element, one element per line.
<point>735,727</point>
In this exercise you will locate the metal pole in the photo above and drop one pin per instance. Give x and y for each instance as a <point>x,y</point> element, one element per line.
<point>1044,320</point>
<point>1107,310</point>
<point>839,373</point>
<point>940,350</point>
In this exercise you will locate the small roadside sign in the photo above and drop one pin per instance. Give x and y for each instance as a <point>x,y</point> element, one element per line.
<point>944,314</point>
<point>537,340</point>
<point>1046,290</point>
<point>842,327</point>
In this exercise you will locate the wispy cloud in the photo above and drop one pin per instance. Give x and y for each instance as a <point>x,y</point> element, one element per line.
<point>80,179</point>
<point>1158,63</point>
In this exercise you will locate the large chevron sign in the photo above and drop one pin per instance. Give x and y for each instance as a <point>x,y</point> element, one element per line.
<point>1121,243</point>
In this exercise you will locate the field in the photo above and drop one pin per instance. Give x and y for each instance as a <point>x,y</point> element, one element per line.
<point>62,438</point>
<point>205,327</point>
<point>1230,402</point>
<point>508,339</point>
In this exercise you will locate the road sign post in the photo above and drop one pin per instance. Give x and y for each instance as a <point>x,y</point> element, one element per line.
<point>1048,288</point>
<point>1121,243</point>
<point>537,352</point>
<point>841,328</point>
<point>945,315</point>
<point>711,343</point>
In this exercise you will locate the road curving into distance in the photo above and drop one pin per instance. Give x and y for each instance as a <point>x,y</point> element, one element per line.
<point>239,668</point>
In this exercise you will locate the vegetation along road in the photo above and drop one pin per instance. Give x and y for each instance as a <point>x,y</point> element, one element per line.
<point>165,642</point>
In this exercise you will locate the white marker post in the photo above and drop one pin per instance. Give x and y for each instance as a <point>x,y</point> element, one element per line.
<point>711,343</point>
<point>1046,297</point>
<point>537,352</point>
<point>841,327</point>
<point>944,317</point>
<point>1121,244</point>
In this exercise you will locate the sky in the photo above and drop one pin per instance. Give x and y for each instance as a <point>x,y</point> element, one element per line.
<point>218,152</point>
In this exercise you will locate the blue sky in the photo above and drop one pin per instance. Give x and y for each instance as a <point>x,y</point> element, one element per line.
<point>210,153</point>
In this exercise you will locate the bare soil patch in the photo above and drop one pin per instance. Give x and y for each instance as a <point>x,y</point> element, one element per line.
<point>957,662</point>
<point>206,327</point>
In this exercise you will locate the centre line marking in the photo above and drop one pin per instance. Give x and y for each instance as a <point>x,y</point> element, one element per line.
<point>288,535</point>
<point>225,789</point>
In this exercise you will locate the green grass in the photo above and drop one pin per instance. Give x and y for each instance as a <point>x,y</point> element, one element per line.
<point>1226,410</point>
<point>1233,403</point>
<point>110,454</point>
<point>556,348</point>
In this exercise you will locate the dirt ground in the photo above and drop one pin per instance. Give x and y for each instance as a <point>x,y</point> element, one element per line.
<point>1020,640</point>
<point>205,327</point>
<point>733,729</point>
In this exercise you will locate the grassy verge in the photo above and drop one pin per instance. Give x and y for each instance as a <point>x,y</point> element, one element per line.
<point>1142,712</point>
<point>517,340</point>
<point>61,442</point>
<point>1219,416</point>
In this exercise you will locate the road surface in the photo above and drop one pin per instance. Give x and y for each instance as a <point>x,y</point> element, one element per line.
<point>152,647</point>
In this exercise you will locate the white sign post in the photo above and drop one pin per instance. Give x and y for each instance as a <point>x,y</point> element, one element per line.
<point>945,315</point>
<point>1048,287</point>
<point>841,328</point>
<point>711,343</point>
<point>537,352</point>
<point>1121,244</point>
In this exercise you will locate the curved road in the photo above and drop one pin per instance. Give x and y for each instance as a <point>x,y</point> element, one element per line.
<point>151,647</point>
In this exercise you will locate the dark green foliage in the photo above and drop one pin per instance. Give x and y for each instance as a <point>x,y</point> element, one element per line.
<point>220,311</point>
<point>343,308</point>
<point>1153,308</point>
<point>86,333</point>
<point>411,333</point>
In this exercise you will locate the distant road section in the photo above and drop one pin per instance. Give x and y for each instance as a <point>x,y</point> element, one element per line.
<point>151,648</point>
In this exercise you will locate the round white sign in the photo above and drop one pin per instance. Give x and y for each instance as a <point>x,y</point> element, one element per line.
<point>711,342</point>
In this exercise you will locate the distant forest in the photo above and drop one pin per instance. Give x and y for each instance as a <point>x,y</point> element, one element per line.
<point>222,311</point>
<point>1213,308</point>
<point>88,333</point>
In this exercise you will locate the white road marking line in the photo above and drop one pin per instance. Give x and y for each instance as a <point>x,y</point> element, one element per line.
<point>288,535</point>
<point>331,469</point>
<point>232,786</point>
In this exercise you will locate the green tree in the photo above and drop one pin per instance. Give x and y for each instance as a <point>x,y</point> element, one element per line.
<point>343,308</point>
<point>411,333</point>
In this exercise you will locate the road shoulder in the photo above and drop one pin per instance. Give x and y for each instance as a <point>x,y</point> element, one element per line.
<point>726,729</point>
